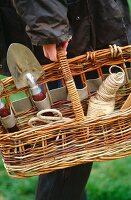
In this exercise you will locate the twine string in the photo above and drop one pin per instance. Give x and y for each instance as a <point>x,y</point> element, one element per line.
<point>115,51</point>
<point>107,90</point>
<point>104,100</point>
<point>42,117</point>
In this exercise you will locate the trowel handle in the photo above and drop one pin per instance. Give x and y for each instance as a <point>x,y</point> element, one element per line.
<point>4,112</point>
<point>8,119</point>
<point>39,97</point>
<point>37,93</point>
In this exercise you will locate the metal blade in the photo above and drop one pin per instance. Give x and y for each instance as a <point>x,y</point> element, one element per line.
<point>21,60</point>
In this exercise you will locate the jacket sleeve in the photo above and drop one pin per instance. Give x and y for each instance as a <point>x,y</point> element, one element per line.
<point>46,21</point>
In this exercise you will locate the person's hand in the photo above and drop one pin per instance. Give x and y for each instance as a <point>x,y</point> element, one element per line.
<point>50,50</point>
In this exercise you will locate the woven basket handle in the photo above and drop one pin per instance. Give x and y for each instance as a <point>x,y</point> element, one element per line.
<point>74,96</point>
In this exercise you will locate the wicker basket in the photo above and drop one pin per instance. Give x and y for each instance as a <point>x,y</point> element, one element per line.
<point>79,139</point>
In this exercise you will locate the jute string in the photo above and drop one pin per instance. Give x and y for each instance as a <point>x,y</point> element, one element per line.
<point>41,117</point>
<point>104,100</point>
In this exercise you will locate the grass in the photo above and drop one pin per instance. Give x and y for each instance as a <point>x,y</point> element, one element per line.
<point>16,189</point>
<point>111,180</point>
<point>108,181</point>
<point>129,1</point>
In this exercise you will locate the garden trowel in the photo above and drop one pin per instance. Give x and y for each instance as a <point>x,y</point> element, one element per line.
<point>23,65</point>
<point>6,115</point>
<point>25,70</point>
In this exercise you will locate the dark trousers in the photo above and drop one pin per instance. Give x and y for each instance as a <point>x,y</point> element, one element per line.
<point>66,184</point>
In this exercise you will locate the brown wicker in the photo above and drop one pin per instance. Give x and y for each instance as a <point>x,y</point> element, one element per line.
<point>80,139</point>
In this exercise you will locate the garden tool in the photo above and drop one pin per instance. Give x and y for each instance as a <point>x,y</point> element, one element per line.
<point>25,70</point>
<point>7,117</point>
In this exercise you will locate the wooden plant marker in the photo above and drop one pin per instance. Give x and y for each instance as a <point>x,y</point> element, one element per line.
<point>127,103</point>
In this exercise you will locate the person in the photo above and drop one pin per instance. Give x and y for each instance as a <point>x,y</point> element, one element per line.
<point>12,29</point>
<point>79,26</point>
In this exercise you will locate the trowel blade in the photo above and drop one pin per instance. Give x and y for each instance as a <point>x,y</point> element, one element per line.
<point>21,60</point>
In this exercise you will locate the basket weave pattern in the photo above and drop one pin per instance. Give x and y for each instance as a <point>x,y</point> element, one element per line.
<point>48,147</point>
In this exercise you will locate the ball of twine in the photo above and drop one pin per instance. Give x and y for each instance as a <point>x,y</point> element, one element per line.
<point>104,101</point>
<point>109,87</point>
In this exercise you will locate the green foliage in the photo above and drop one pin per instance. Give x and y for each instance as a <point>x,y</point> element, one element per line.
<point>108,181</point>
<point>2,76</point>
<point>129,1</point>
<point>16,189</point>
<point>111,180</point>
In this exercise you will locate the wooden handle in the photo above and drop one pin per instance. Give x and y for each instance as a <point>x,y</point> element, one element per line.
<point>127,103</point>
<point>74,96</point>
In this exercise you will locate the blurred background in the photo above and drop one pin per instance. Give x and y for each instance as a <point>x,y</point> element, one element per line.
<point>109,180</point>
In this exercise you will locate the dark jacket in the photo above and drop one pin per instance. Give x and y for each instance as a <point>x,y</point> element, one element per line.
<point>12,29</point>
<point>94,24</point>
